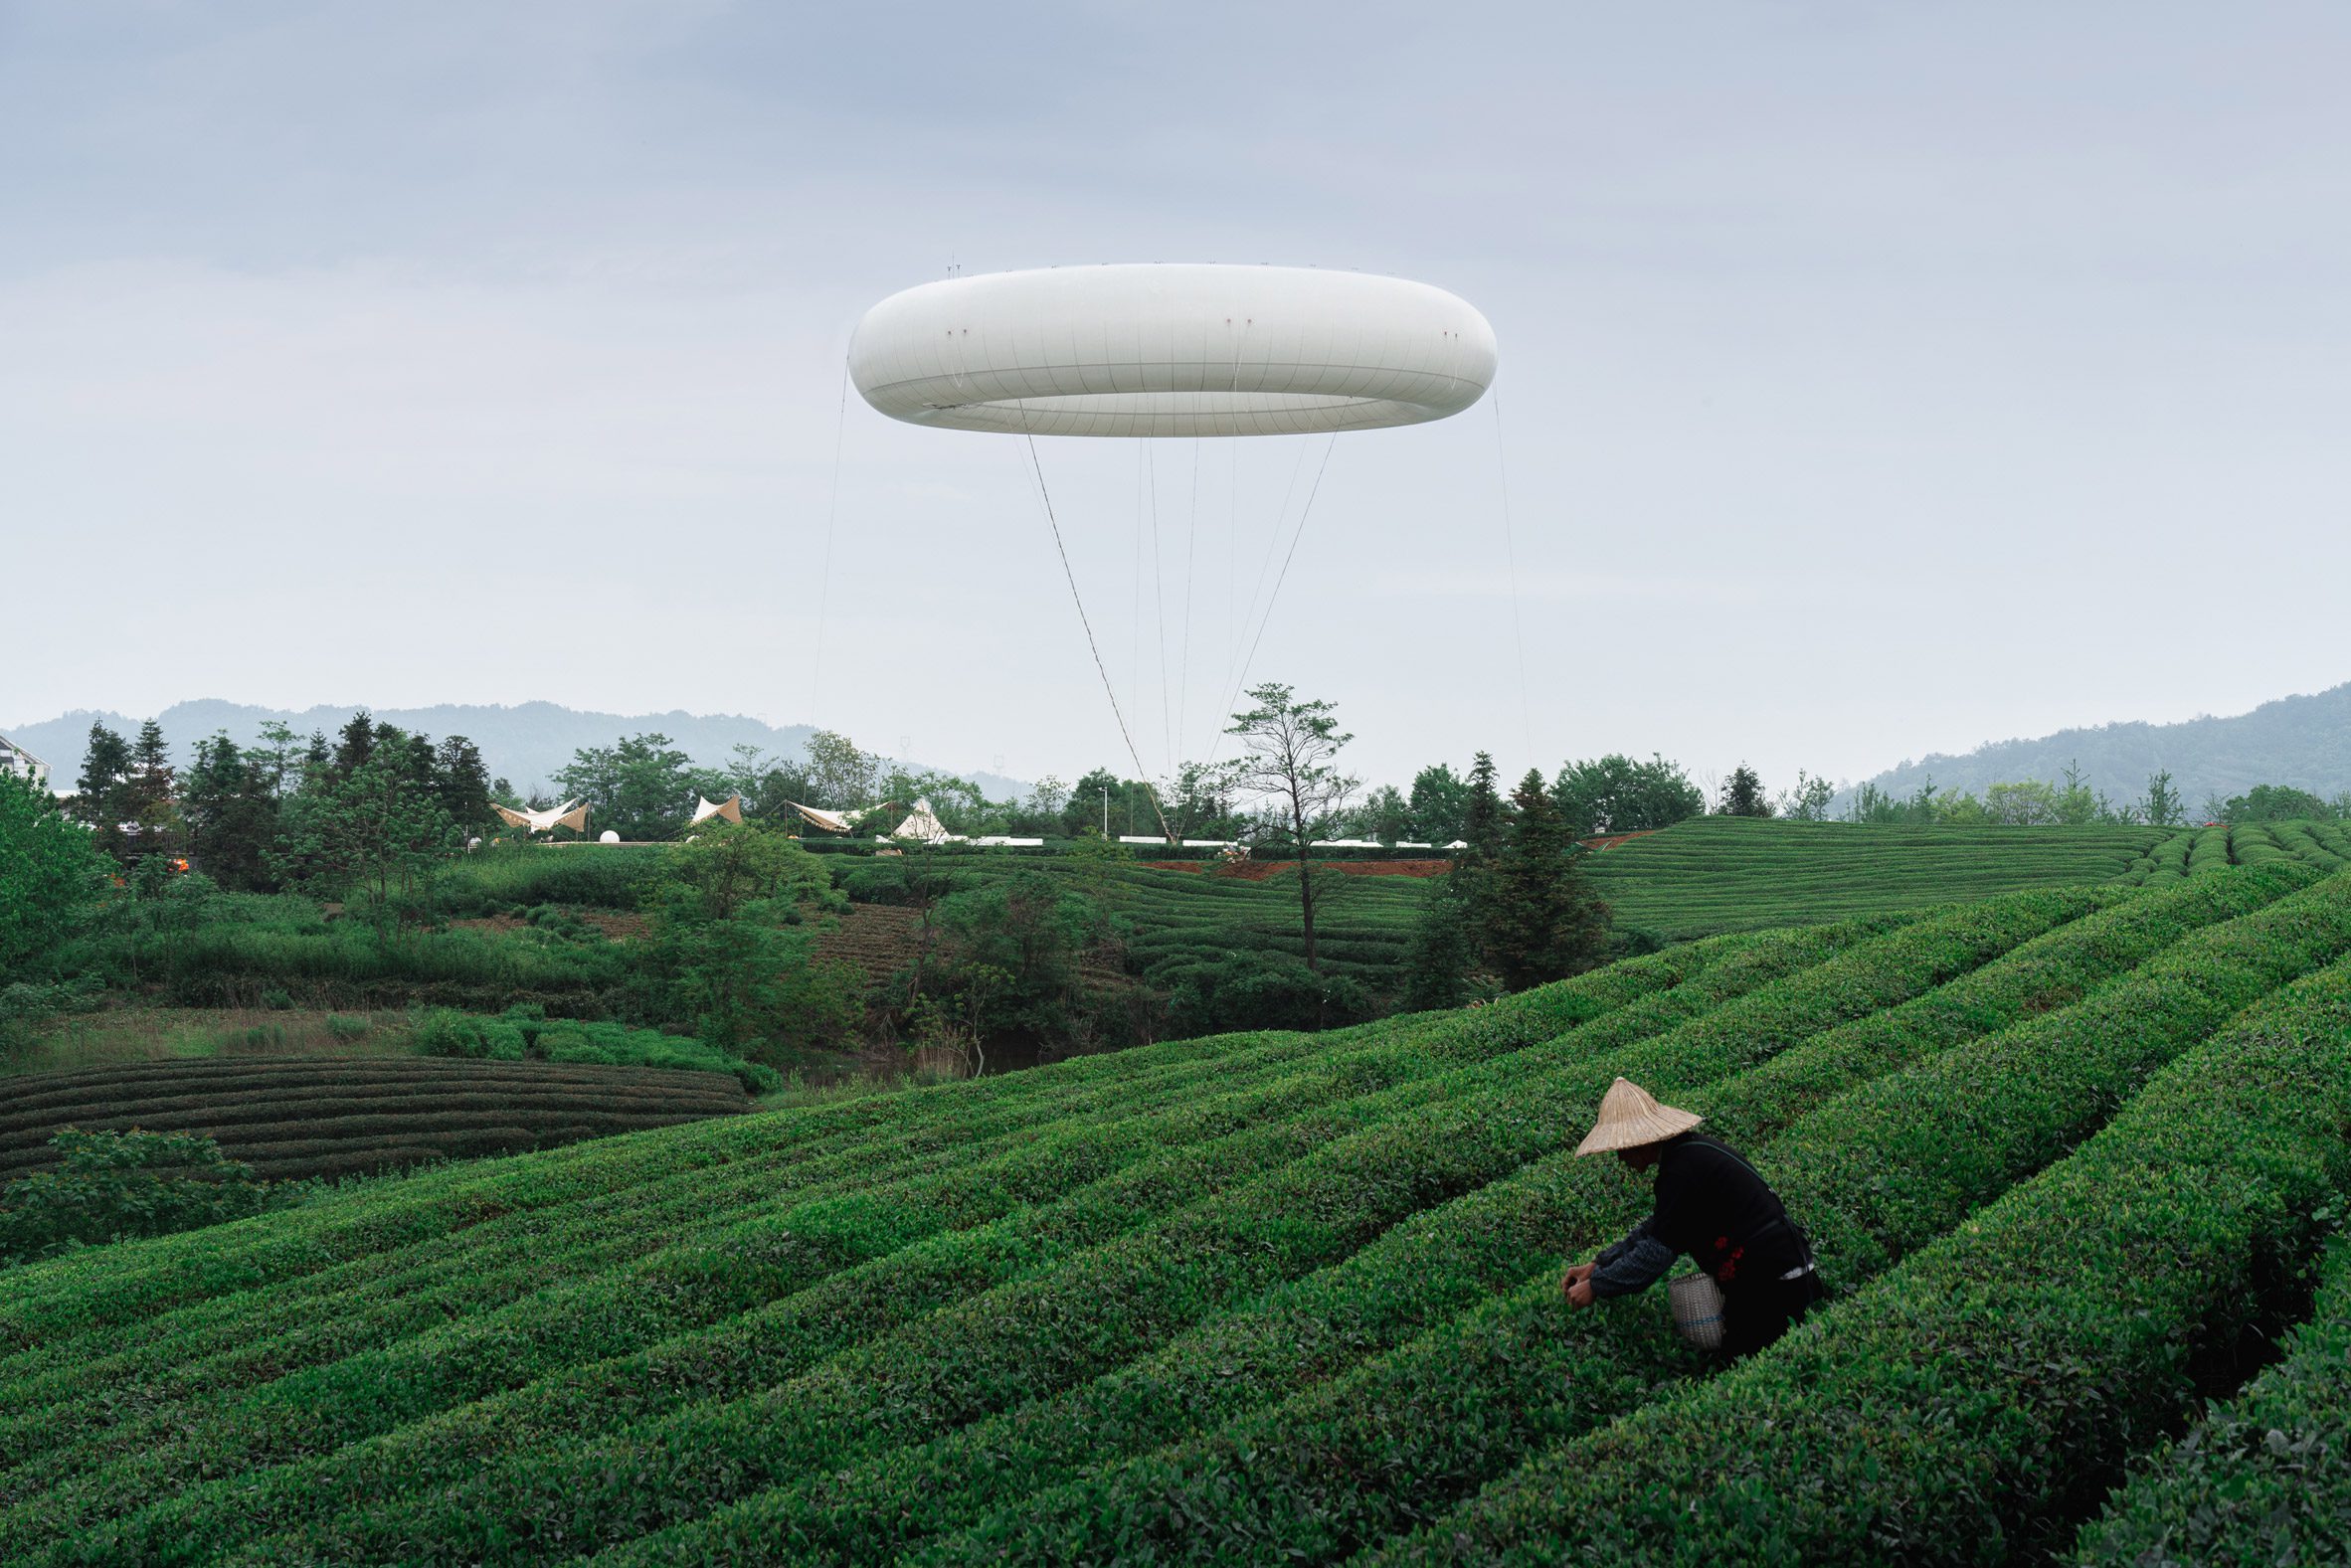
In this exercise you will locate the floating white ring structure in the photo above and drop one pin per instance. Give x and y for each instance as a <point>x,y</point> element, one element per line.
<point>1171,349</point>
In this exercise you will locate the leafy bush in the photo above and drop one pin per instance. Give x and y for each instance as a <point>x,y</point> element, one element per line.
<point>1261,991</point>
<point>524,1033</point>
<point>2266,1477</point>
<point>114,1185</point>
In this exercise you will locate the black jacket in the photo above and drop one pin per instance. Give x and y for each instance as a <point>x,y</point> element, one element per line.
<point>1712,1205</point>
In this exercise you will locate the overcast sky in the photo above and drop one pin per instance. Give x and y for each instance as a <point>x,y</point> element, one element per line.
<point>1874,380</point>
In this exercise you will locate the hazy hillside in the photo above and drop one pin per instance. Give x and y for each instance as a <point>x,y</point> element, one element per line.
<point>2300,740</point>
<point>525,743</point>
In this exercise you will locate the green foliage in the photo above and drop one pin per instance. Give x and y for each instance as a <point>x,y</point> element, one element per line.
<point>525,1033</point>
<point>1277,1296</point>
<point>2264,1478</point>
<point>1986,1388</point>
<point>1438,805</point>
<point>291,1117</point>
<point>372,833</point>
<point>1743,794</point>
<point>52,880</point>
<point>502,878</point>
<point>1535,919</point>
<point>734,943</point>
<point>113,1186</point>
<point>641,788</point>
<point>1719,873</point>
<point>1615,795</point>
<point>2274,804</point>
<point>1260,990</point>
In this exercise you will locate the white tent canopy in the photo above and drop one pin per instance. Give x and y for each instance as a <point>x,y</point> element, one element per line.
<point>830,821</point>
<point>728,810</point>
<point>922,825</point>
<point>571,814</point>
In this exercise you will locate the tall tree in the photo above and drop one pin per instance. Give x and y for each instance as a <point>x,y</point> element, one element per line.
<point>1809,800</point>
<point>1743,794</point>
<point>1484,819</point>
<point>97,797</point>
<point>1289,763</point>
<point>52,877</point>
<point>641,788</point>
<point>1542,923</point>
<point>2161,805</point>
<point>1439,798</point>
<point>1615,795</point>
<point>841,774</point>
<point>230,813</point>
<point>462,783</point>
<point>148,797</point>
<point>370,836</point>
<point>356,743</point>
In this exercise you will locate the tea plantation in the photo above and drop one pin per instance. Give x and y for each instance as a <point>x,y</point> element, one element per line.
<point>2068,1157</point>
<point>288,1117</point>
<point>1714,874</point>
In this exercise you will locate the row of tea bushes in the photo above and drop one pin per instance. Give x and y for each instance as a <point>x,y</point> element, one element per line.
<point>1967,1402</point>
<point>2266,1477</point>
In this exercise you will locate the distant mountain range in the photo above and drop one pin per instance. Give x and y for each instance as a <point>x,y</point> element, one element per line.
<point>525,743</point>
<point>2300,741</point>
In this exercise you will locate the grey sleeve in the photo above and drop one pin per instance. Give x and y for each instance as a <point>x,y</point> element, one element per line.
<point>1610,1254</point>
<point>1633,1263</point>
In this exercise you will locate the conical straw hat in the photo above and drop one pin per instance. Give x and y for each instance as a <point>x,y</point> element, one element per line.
<point>1631,1117</point>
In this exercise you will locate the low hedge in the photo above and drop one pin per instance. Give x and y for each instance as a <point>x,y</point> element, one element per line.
<point>2264,1478</point>
<point>1363,1454</point>
<point>1121,1301</point>
<point>900,1287</point>
<point>1964,1407</point>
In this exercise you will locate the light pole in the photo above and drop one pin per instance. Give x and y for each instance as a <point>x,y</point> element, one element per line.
<point>1106,815</point>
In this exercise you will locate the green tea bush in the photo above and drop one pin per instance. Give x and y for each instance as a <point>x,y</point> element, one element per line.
<point>524,1033</point>
<point>1268,1296</point>
<point>1994,1381</point>
<point>2264,1478</point>
<point>111,1185</point>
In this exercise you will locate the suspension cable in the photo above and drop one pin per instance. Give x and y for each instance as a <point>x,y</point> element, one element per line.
<point>1511,564</point>
<point>1092,646</point>
<point>1266,619</point>
<point>831,511</point>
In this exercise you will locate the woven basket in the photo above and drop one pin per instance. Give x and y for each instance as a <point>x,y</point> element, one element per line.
<point>1698,1309</point>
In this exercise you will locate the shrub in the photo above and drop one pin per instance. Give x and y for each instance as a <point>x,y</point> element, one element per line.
<point>113,1186</point>
<point>2265,1478</point>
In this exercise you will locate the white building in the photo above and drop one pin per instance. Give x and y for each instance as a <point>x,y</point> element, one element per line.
<point>14,759</point>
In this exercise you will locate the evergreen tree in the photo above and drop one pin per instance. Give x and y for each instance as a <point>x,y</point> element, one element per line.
<point>462,783</point>
<point>97,799</point>
<point>356,744</point>
<point>1443,950</point>
<point>1484,819</point>
<point>230,813</point>
<point>1438,802</point>
<point>1541,921</point>
<point>1743,794</point>
<point>147,798</point>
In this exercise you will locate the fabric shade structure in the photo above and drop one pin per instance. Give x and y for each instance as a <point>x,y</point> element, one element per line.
<point>924,826</point>
<point>728,810</point>
<point>830,821</point>
<point>1171,349</point>
<point>572,815</point>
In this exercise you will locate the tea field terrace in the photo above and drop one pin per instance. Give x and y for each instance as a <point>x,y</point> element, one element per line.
<point>1283,1298</point>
